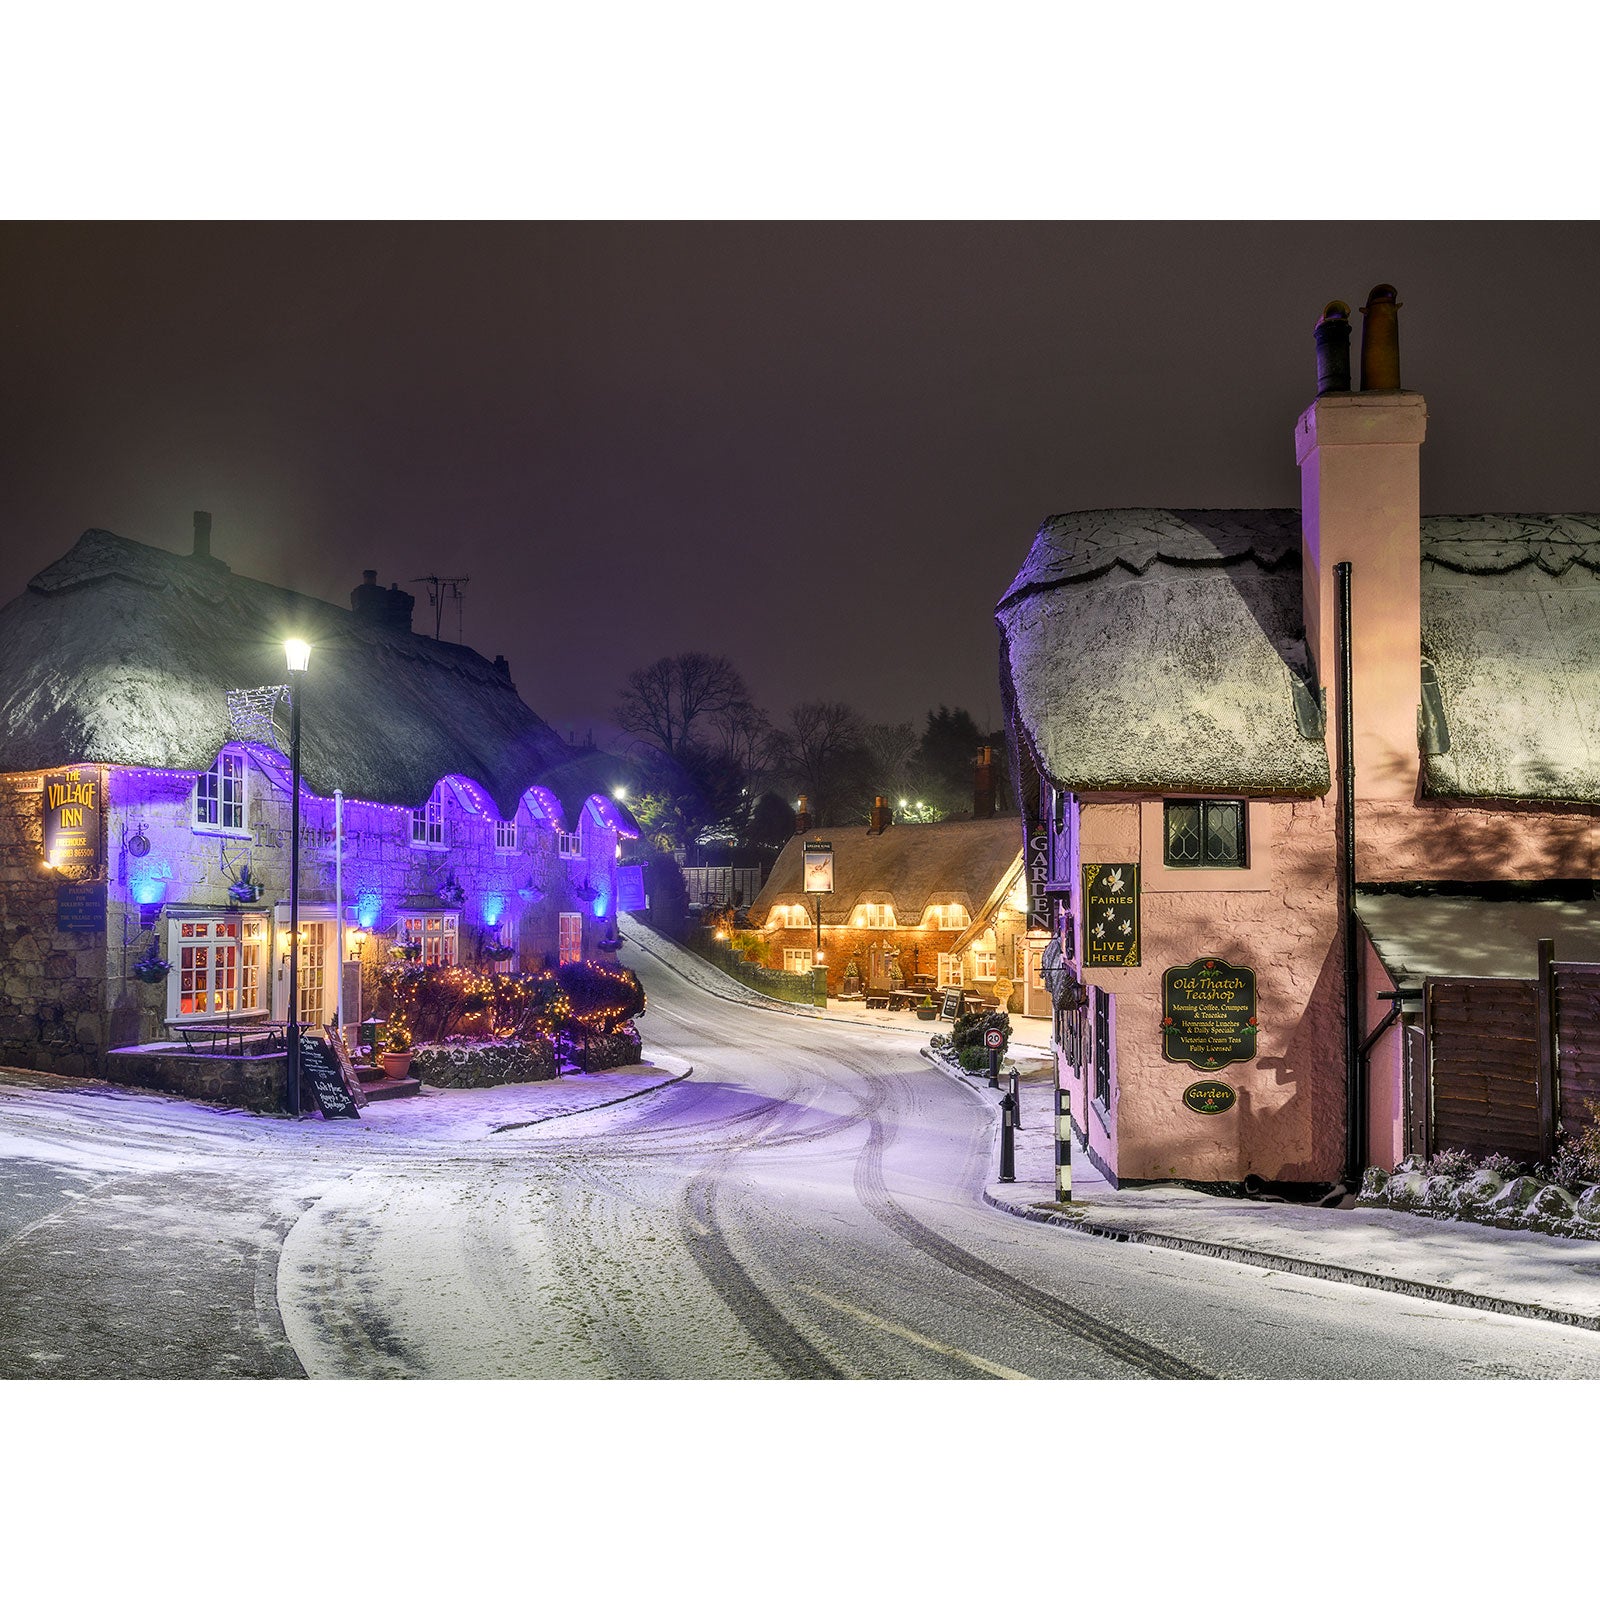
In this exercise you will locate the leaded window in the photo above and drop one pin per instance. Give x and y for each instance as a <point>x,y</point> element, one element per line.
<point>1102,1047</point>
<point>1205,833</point>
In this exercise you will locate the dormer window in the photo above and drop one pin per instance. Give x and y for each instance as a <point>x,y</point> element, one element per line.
<point>505,834</point>
<point>427,823</point>
<point>876,915</point>
<point>790,917</point>
<point>948,918</point>
<point>569,845</point>
<point>219,796</point>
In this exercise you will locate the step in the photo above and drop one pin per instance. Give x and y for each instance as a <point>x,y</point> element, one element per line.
<point>391,1088</point>
<point>370,1074</point>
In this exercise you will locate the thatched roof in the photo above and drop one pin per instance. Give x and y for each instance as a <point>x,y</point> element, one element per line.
<point>1164,650</point>
<point>1511,627</point>
<point>909,866</point>
<point>1157,650</point>
<point>123,653</point>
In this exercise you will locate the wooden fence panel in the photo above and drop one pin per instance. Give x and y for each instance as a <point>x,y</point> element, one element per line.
<point>1577,1017</point>
<point>1484,1065</point>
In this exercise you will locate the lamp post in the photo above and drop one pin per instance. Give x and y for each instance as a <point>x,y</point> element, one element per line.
<point>298,653</point>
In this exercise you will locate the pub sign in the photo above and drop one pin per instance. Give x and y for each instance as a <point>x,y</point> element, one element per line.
<point>1208,1014</point>
<point>1111,914</point>
<point>72,806</point>
<point>818,867</point>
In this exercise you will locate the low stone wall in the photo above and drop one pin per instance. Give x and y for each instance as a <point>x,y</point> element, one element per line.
<point>1487,1197</point>
<point>254,1082</point>
<point>470,1065</point>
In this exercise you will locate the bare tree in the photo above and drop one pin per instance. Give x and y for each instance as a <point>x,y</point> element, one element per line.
<point>891,747</point>
<point>823,755</point>
<point>664,701</point>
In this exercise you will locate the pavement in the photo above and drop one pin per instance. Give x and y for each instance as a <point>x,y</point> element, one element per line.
<point>1510,1271</point>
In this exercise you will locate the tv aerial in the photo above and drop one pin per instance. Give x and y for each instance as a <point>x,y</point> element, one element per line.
<point>440,592</point>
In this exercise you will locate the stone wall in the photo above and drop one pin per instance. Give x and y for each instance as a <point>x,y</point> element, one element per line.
<point>255,1082</point>
<point>53,985</point>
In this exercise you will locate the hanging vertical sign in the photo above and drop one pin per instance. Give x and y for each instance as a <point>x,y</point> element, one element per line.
<point>1111,914</point>
<point>1037,868</point>
<point>72,806</point>
<point>818,866</point>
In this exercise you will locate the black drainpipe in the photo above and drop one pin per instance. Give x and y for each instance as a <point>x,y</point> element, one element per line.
<point>1355,1099</point>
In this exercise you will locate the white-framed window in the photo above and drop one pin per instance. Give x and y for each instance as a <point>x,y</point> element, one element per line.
<point>790,916</point>
<point>797,960</point>
<point>875,916</point>
<point>569,844</point>
<point>437,932</point>
<point>219,796</point>
<point>427,823</point>
<point>950,972</point>
<point>216,965</point>
<point>570,934</point>
<point>505,834</point>
<point>951,918</point>
<point>985,964</point>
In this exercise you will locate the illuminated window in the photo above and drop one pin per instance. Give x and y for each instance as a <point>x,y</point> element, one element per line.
<point>950,972</point>
<point>571,937</point>
<point>790,917</point>
<point>505,834</point>
<point>875,916</point>
<point>216,965</point>
<point>797,960</point>
<point>985,966</point>
<point>437,932</point>
<point>949,917</point>
<point>569,844</point>
<point>1204,833</point>
<point>219,795</point>
<point>427,823</point>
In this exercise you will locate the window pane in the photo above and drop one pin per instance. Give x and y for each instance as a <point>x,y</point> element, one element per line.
<point>1183,833</point>
<point>1223,830</point>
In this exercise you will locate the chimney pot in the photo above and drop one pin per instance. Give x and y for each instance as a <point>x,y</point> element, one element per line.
<point>983,783</point>
<point>1333,349</point>
<point>1380,340</point>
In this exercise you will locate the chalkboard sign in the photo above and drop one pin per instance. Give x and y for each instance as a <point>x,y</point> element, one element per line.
<point>952,1005</point>
<point>321,1073</point>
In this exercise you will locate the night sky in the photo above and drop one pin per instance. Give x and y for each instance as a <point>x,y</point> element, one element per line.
<point>818,448</point>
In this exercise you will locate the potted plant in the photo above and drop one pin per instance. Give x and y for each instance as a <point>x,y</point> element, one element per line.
<point>244,890</point>
<point>150,968</point>
<point>395,1057</point>
<point>927,1011</point>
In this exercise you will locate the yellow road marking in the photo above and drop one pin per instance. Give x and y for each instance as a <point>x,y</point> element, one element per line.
<point>992,1368</point>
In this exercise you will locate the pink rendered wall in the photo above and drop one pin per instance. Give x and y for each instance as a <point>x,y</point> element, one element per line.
<point>1483,840</point>
<point>1288,1122</point>
<point>1385,1066</point>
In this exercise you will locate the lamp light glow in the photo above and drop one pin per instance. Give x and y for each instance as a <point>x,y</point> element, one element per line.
<point>298,654</point>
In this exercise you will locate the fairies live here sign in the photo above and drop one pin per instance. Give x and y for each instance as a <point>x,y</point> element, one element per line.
<point>1208,1014</point>
<point>1111,914</point>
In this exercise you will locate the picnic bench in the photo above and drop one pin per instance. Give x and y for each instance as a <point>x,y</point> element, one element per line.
<point>233,1032</point>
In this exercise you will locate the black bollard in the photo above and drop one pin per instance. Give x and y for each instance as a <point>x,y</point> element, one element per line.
<point>1008,1140</point>
<point>994,1069</point>
<point>1016,1100</point>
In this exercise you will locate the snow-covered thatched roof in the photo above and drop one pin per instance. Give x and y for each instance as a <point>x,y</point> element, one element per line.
<point>1467,936</point>
<point>909,866</point>
<point>1158,650</point>
<point>1164,650</point>
<point>123,653</point>
<point>1511,626</point>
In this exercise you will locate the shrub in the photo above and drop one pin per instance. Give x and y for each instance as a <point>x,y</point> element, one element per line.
<point>603,999</point>
<point>973,1058</point>
<point>1502,1166</point>
<point>1455,1164</point>
<point>970,1030</point>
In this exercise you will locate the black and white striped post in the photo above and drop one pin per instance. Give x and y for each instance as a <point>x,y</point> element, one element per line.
<point>1063,1138</point>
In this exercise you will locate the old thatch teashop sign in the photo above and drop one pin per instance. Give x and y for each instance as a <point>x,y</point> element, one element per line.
<point>72,803</point>
<point>1208,1014</point>
<point>1111,915</point>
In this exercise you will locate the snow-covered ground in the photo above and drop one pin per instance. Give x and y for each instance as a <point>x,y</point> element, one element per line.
<point>807,1203</point>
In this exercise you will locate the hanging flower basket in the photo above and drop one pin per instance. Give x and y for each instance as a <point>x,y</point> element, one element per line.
<point>409,951</point>
<point>610,946</point>
<point>498,952</point>
<point>451,893</point>
<point>244,894</point>
<point>150,968</point>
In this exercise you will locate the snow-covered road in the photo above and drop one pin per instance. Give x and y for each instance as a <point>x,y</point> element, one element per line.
<point>806,1204</point>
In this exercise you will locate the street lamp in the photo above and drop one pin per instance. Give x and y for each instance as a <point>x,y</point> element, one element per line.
<point>298,654</point>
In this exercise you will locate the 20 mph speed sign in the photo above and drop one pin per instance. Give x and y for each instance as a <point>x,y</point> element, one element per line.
<point>993,1039</point>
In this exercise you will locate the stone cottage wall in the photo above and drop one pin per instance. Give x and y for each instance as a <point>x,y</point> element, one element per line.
<point>52,984</point>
